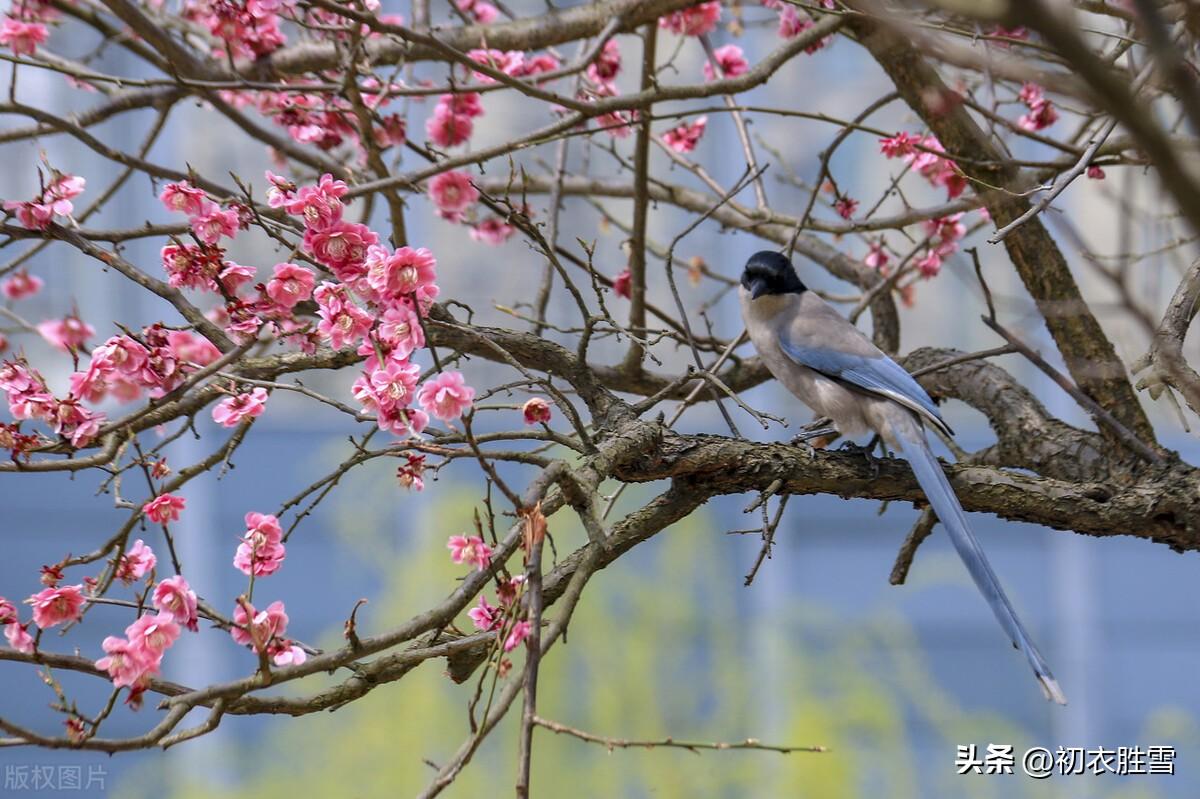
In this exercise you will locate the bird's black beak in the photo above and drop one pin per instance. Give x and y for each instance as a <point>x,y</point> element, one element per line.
<point>758,287</point>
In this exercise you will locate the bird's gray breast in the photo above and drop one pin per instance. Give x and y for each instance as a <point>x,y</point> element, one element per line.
<point>767,318</point>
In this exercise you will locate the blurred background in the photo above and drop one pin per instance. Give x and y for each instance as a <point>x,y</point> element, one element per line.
<point>820,650</point>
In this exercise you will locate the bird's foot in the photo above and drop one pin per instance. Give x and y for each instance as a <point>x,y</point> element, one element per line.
<point>866,452</point>
<point>812,440</point>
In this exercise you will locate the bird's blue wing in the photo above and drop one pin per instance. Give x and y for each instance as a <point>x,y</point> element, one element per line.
<point>877,375</point>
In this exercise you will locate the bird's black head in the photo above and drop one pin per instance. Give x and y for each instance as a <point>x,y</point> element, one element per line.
<point>768,272</point>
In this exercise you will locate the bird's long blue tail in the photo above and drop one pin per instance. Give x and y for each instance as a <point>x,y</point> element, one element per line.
<point>910,438</point>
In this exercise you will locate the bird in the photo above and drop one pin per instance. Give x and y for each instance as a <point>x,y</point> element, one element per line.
<point>833,368</point>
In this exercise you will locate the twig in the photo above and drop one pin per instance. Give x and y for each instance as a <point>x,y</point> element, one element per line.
<point>691,746</point>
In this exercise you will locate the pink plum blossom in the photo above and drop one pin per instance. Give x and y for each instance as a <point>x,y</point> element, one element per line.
<point>899,145</point>
<point>55,199</point>
<point>150,636</point>
<point>877,256</point>
<point>446,396</point>
<point>536,410</point>
<point>453,194</point>
<point>695,21</point>
<point>184,198</point>
<point>470,550</point>
<point>537,65</point>
<point>509,62</point>
<point>21,285</point>
<point>175,597</point>
<point>483,13</point>
<point>492,231</point>
<point>411,474</point>
<point>233,276</point>
<point>79,424</point>
<point>18,637</point>
<point>53,606</point>
<point>685,137</point>
<point>67,333</point>
<point>123,355</point>
<point>607,66</point>
<point>136,563</point>
<point>256,628</point>
<point>452,121</point>
<point>124,662</point>
<point>399,332</point>
<point>320,206</point>
<point>731,61</point>
<point>230,412</point>
<point>213,222</point>
<point>1040,116</point>
<point>23,37</point>
<point>261,549</point>
<point>402,273</point>
<point>508,590</point>
<point>286,653</point>
<point>402,421</point>
<point>623,284</point>
<point>342,247</point>
<point>281,192</point>
<point>164,508</point>
<point>486,617</point>
<point>342,321</point>
<point>390,386</point>
<point>520,631</point>
<point>290,285</point>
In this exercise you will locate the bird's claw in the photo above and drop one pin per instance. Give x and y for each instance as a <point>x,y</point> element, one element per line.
<point>824,435</point>
<point>866,452</point>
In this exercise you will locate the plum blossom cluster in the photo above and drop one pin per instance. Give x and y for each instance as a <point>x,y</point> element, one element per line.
<point>604,69</point>
<point>262,631</point>
<point>246,30</point>
<point>202,266</point>
<point>125,366</point>
<point>260,554</point>
<point>925,155</point>
<point>488,617</point>
<point>53,200</point>
<point>793,22</point>
<point>327,120</point>
<point>483,13</point>
<point>29,398</point>
<point>133,660</point>
<point>24,27</point>
<point>155,362</point>
<point>944,233</point>
<point>684,138</point>
<point>377,306</point>
<point>130,661</point>
<point>1042,113</point>
<point>513,63</point>
<point>453,119</point>
<point>694,21</point>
